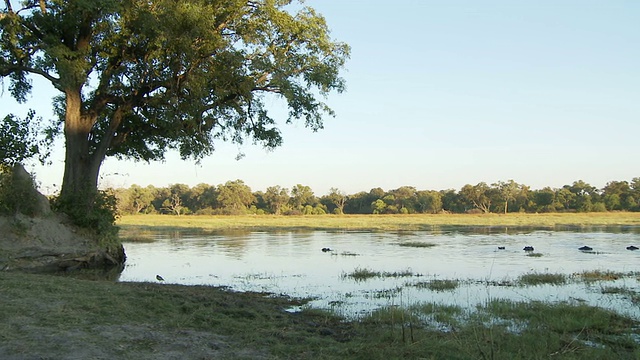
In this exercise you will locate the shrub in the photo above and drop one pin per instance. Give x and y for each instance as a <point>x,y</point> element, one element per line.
<point>17,192</point>
<point>100,216</point>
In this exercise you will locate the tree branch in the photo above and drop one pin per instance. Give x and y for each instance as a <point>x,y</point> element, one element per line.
<point>15,68</point>
<point>9,8</point>
<point>268,88</point>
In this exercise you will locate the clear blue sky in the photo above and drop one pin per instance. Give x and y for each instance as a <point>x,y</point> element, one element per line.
<point>446,93</point>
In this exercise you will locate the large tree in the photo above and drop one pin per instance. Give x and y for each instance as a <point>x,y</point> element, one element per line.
<point>234,197</point>
<point>136,78</point>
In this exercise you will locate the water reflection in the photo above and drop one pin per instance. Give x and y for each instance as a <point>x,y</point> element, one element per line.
<point>292,263</point>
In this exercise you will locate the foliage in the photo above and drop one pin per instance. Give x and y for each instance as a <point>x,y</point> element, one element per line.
<point>100,217</point>
<point>139,78</point>
<point>19,139</point>
<point>276,198</point>
<point>235,197</point>
<point>17,194</point>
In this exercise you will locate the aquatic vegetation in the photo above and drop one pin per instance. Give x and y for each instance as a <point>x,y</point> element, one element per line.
<point>348,253</point>
<point>598,275</point>
<point>361,274</point>
<point>625,292</point>
<point>542,278</point>
<point>438,285</point>
<point>417,244</point>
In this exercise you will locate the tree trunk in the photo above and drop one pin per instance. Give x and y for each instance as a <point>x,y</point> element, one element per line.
<point>81,167</point>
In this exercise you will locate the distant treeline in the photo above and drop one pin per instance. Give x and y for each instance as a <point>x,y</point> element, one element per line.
<point>235,197</point>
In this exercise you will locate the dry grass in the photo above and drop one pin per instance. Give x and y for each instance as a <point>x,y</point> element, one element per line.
<point>380,222</point>
<point>597,275</point>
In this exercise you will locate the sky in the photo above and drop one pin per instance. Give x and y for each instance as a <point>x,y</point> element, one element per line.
<point>441,94</point>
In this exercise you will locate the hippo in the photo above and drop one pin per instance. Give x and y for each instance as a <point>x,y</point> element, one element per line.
<point>585,248</point>
<point>632,247</point>
<point>528,248</point>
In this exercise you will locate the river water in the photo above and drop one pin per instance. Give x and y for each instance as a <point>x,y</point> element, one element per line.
<point>293,263</point>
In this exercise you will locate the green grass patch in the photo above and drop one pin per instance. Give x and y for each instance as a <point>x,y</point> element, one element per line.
<point>449,315</point>
<point>64,317</point>
<point>417,244</point>
<point>542,279</point>
<point>625,292</point>
<point>534,254</point>
<point>362,274</point>
<point>438,285</point>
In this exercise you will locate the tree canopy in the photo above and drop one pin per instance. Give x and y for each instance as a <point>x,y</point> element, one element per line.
<point>235,197</point>
<point>137,78</point>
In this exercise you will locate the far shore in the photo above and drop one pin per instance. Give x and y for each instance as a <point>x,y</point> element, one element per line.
<point>380,222</point>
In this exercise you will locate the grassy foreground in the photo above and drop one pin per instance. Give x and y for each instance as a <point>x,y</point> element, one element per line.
<point>381,222</point>
<point>63,317</point>
<point>57,317</point>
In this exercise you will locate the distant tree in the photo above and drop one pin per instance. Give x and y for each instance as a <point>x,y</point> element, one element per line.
<point>361,203</point>
<point>276,198</point>
<point>302,195</point>
<point>565,198</point>
<point>508,192</point>
<point>260,203</point>
<point>234,197</point>
<point>175,199</point>
<point>583,196</point>
<point>338,199</point>
<point>544,199</point>
<point>139,198</point>
<point>633,201</point>
<point>615,194</point>
<point>428,201</point>
<point>405,198</point>
<point>378,207</point>
<point>358,203</point>
<point>390,202</point>
<point>377,193</point>
<point>201,196</point>
<point>480,196</point>
<point>173,204</point>
<point>452,201</point>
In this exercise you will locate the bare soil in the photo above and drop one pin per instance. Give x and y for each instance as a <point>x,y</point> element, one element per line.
<point>48,244</point>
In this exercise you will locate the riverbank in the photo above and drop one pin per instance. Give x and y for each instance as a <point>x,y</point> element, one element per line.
<point>84,315</point>
<point>380,222</point>
<point>62,317</point>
